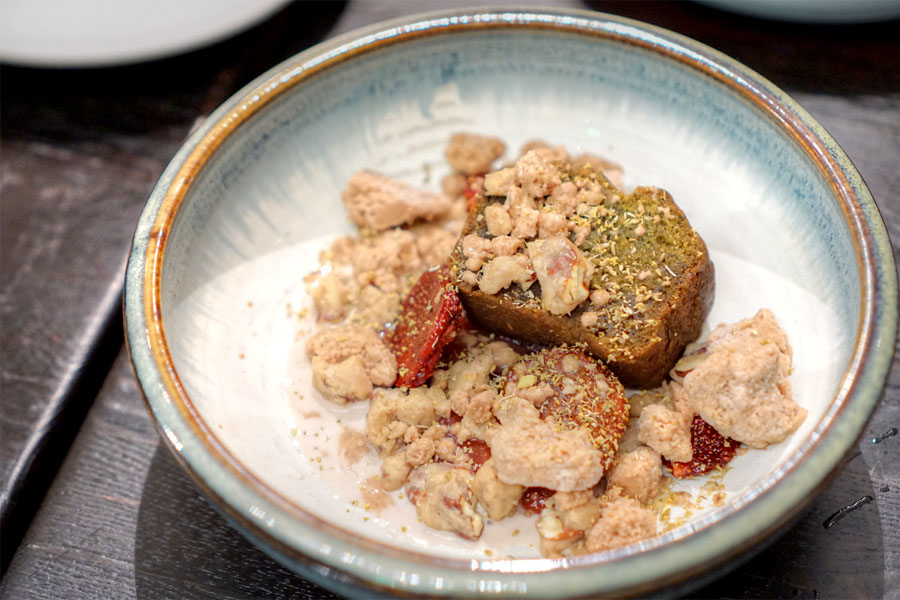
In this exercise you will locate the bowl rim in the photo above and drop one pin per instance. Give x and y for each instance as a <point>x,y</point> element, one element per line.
<point>335,557</point>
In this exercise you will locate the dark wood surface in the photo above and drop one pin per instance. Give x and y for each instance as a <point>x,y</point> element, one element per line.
<point>80,152</point>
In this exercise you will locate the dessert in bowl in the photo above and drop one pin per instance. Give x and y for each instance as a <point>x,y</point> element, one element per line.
<point>217,304</point>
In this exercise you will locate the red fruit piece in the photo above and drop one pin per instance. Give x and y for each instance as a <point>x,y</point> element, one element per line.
<point>431,316</point>
<point>711,450</point>
<point>478,452</point>
<point>533,499</point>
<point>457,347</point>
<point>585,394</point>
<point>474,186</point>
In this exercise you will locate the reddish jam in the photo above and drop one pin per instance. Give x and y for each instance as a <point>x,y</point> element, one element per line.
<point>533,499</point>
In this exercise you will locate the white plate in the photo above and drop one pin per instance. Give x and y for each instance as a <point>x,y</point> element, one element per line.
<point>814,11</point>
<point>93,33</point>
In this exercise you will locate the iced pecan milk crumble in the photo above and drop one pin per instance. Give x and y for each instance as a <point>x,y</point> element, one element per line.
<point>475,426</point>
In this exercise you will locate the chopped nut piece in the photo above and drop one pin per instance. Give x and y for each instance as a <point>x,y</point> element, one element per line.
<point>499,499</point>
<point>444,499</point>
<point>562,271</point>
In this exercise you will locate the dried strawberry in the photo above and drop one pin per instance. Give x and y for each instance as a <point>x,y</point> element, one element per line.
<point>533,499</point>
<point>457,348</point>
<point>474,185</point>
<point>431,316</point>
<point>711,450</point>
<point>478,452</point>
<point>585,394</point>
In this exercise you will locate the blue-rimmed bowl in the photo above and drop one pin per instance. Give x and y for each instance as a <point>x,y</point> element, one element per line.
<point>214,287</point>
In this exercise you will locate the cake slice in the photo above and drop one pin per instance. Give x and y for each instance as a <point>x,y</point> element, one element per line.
<point>553,253</point>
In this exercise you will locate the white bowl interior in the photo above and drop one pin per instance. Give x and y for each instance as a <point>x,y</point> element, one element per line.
<point>251,226</point>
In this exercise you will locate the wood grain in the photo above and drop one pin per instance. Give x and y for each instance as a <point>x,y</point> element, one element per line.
<point>122,520</point>
<point>81,152</point>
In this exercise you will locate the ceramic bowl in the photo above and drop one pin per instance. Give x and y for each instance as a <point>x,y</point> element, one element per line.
<point>215,297</point>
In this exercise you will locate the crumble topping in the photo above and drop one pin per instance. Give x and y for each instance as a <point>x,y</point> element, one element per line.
<point>741,385</point>
<point>499,428</point>
<point>530,452</point>
<point>348,361</point>
<point>377,202</point>
<point>473,154</point>
<point>666,431</point>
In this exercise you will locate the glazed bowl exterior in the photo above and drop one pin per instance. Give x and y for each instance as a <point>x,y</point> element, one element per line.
<point>232,225</point>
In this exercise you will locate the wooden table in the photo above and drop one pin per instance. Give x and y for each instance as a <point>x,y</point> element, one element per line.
<point>93,506</point>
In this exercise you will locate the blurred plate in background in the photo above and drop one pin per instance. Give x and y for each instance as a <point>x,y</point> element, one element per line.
<point>94,33</point>
<point>814,11</point>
